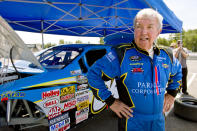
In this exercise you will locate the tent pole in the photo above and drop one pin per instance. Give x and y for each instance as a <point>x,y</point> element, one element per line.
<point>42,22</point>
<point>42,40</point>
<point>181,35</point>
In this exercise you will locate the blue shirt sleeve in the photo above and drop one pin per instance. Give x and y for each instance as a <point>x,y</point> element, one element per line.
<point>107,67</point>
<point>175,77</point>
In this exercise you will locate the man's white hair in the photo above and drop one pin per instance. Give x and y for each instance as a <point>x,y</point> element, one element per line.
<point>149,13</point>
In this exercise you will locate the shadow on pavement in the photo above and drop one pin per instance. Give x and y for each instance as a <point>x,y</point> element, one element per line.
<point>175,123</point>
<point>104,121</point>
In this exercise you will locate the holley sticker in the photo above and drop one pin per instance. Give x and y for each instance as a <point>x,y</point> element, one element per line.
<point>50,94</point>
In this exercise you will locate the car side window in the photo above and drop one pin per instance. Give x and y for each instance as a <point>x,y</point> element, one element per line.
<point>90,57</point>
<point>57,59</point>
<point>94,55</point>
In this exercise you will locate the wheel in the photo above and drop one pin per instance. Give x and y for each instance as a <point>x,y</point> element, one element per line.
<point>186,107</point>
<point>23,114</point>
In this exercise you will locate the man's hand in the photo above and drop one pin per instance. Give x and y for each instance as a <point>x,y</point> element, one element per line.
<point>168,102</point>
<point>121,109</point>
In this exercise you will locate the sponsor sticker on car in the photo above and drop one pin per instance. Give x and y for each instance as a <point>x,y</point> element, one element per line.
<point>54,112</point>
<point>67,90</point>
<point>50,94</point>
<point>64,116</point>
<point>51,103</point>
<point>82,105</point>
<point>69,105</point>
<point>60,126</point>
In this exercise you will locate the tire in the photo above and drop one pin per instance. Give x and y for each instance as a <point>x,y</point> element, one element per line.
<point>186,107</point>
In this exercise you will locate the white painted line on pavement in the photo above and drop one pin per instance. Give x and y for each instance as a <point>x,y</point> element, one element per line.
<point>190,80</point>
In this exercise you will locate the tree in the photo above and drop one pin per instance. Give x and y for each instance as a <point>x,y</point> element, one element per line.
<point>190,40</point>
<point>78,42</point>
<point>49,45</point>
<point>163,41</point>
<point>61,42</point>
<point>101,41</point>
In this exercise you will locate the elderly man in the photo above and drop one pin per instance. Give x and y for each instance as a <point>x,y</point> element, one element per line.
<point>142,71</point>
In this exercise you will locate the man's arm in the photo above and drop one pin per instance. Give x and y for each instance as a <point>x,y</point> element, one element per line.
<point>173,84</point>
<point>107,67</point>
<point>184,53</point>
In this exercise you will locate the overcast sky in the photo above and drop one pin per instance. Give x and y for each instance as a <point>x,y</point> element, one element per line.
<point>185,10</point>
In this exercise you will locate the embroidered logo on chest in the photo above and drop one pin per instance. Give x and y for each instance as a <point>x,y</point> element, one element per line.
<point>165,65</point>
<point>137,70</point>
<point>135,58</point>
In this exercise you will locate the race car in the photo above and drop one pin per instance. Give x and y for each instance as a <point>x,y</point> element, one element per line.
<point>58,95</point>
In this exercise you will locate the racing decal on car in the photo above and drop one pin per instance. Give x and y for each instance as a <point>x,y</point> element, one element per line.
<point>81,112</point>
<point>67,94</point>
<point>81,79</point>
<point>81,118</point>
<point>61,126</point>
<point>54,112</point>
<point>81,115</point>
<point>51,103</point>
<point>67,90</point>
<point>69,105</point>
<point>11,94</point>
<point>137,70</point>
<point>82,105</point>
<point>57,119</point>
<point>80,93</point>
<point>82,87</point>
<point>75,72</point>
<point>135,58</point>
<point>50,94</point>
<point>82,98</point>
<point>60,123</point>
<point>64,81</point>
<point>50,99</point>
<point>67,98</point>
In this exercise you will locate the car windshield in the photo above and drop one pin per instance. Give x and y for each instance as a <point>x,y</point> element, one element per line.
<point>57,58</point>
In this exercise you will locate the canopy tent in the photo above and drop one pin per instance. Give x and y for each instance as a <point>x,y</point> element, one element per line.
<point>95,18</point>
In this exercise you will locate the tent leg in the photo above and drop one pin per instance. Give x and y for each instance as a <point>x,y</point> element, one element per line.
<point>42,41</point>
<point>42,27</point>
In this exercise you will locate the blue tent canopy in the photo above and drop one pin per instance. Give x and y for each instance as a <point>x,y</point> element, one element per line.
<point>95,18</point>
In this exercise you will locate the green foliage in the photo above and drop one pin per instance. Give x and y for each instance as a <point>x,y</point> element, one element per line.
<point>189,39</point>
<point>64,42</point>
<point>61,42</point>
<point>49,45</point>
<point>78,42</point>
<point>101,41</point>
<point>163,41</point>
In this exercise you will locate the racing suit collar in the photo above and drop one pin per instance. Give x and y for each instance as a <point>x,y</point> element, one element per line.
<point>155,48</point>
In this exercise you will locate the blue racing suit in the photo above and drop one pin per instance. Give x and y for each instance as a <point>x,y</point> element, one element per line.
<point>141,83</point>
